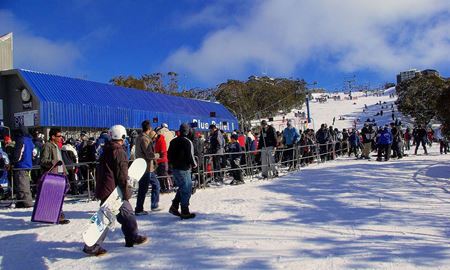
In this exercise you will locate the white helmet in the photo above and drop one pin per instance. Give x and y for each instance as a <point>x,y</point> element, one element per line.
<point>118,132</point>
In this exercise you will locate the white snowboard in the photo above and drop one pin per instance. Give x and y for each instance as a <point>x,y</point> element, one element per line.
<point>106,215</point>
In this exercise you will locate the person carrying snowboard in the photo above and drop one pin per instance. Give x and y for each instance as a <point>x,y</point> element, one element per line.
<point>112,172</point>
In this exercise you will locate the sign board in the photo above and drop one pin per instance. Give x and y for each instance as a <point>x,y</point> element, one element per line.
<point>27,119</point>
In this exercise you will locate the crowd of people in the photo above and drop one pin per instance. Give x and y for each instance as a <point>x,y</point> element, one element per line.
<point>187,158</point>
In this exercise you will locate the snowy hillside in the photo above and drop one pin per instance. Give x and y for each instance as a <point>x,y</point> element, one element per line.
<point>344,214</point>
<point>350,110</point>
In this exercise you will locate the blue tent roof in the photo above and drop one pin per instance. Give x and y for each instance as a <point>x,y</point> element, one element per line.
<point>69,102</point>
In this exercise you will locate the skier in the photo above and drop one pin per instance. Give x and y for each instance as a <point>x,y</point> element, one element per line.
<point>323,138</point>
<point>216,149</point>
<point>384,144</point>
<point>233,149</point>
<point>439,134</point>
<point>397,143</point>
<point>291,137</point>
<point>181,157</point>
<point>267,144</point>
<point>420,137</point>
<point>112,172</point>
<point>407,138</point>
<point>22,160</point>
<point>368,135</point>
<point>354,143</point>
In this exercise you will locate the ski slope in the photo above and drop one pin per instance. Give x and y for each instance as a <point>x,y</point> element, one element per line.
<point>345,214</point>
<point>352,110</point>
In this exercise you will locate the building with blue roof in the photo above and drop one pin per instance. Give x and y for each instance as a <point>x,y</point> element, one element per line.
<point>35,99</point>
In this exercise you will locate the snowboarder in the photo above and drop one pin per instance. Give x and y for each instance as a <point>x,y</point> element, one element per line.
<point>112,172</point>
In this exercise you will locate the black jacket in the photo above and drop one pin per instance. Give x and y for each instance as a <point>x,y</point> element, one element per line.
<point>267,138</point>
<point>323,136</point>
<point>235,148</point>
<point>181,154</point>
<point>368,135</point>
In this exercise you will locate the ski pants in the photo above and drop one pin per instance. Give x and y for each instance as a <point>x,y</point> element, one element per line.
<point>386,149</point>
<point>367,148</point>
<point>290,157</point>
<point>323,149</point>
<point>267,161</point>
<point>217,167</point>
<point>443,146</point>
<point>22,188</point>
<point>353,149</point>
<point>424,146</point>
<point>236,170</point>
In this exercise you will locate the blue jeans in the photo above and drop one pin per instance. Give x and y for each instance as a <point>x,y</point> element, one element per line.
<point>184,182</point>
<point>147,179</point>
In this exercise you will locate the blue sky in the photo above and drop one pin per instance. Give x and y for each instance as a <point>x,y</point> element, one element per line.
<point>207,42</point>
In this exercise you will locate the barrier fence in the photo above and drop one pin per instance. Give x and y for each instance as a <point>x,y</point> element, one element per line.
<point>213,169</point>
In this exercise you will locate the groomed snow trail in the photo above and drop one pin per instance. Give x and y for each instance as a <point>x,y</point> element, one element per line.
<point>346,214</point>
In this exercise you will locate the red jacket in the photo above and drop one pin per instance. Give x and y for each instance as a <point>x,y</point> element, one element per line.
<point>241,140</point>
<point>160,147</point>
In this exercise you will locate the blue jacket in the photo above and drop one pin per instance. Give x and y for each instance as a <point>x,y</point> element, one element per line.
<point>385,137</point>
<point>291,136</point>
<point>23,152</point>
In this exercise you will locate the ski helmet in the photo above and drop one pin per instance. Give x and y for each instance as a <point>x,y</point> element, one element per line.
<point>118,132</point>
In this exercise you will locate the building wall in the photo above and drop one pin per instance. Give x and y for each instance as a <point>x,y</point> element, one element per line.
<point>6,52</point>
<point>12,101</point>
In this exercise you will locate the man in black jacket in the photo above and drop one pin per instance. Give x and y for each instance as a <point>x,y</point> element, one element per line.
<point>323,138</point>
<point>181,157</point>
<point>420,137</point>
<point>267,144</point>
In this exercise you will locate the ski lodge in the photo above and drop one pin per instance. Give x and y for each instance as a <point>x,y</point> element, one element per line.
<point>38,100</point>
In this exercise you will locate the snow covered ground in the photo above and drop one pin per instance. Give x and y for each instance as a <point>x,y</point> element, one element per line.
<point>344,214</point>
<point>351,110</point>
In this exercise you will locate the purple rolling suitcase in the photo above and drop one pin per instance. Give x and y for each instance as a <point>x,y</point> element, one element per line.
<point>50,198</point>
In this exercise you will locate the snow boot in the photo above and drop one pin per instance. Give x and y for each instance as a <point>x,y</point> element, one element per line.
<point>139,240</point>
<point>95,250</point>
<point>174,208</point>
<point>185,214</point>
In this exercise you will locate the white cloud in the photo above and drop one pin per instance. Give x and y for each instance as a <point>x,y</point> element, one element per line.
<point>35,52</point>
<point>280,36</point>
